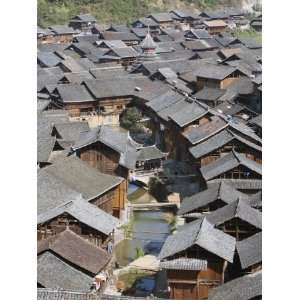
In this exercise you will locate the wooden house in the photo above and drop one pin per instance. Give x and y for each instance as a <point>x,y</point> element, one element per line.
<point>44,35</point>
<point>62,34</point>
<point>184,17</point>
<point>68,262</point>
<point>233,165</point>
<point>129,38</point>
<point>237,219</point>
<point>163,19</point>
<point>149,159</point>
<point>215,26</point>
<point>216,76</point>
<point>103,190</point>
<point>82,22</point>
<point>147,23</point>
<point>110,151</point>
<point>217,195</point>
<point>220,142</point>
<point>195,259</point>
<point>79,216</point>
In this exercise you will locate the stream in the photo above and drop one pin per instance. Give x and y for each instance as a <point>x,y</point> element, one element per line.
<point>148,230</point>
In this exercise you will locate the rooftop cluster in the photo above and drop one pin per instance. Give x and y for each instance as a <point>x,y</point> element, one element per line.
<point>199,89</point>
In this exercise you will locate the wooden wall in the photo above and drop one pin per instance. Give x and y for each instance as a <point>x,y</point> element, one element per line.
<point>60,223</point>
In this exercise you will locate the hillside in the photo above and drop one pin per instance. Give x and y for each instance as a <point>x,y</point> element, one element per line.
<point>121,11</point>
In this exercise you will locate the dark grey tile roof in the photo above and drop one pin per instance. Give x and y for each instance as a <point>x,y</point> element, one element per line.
<point>78,78</point>
<point>165,100</point>
<point>219,140</point>
<point>148,153</point>
<point>237,209</point>
<point>189,113</point>
<point>116,140</point>
<point>54,273</point>
<point>147,22</point>
<point>62,29</point>
<point>125,52</point>
<point>75,250</point>
<point>45,146</point>
<point>123,36</point>
<point>161,17</point>
<point>48,59</point>
<point>215,191</point>
<point>227,163</point>
<point>167,73</point>
<point>203,234</point>
<point>250,250</point>
<point>203,44</point>
<point>139,32</point>
<point>216,141</point>
<point>56,294</point>
<point>51,47</point>
<point>212,71</point>
<point>173,108</point>
<point>201,33</point>
<point>81,177</point>
<point>243,288</point>
<point>255,200</point>
<point>242,184</point>
<point>84,212</point>
<point>197,134</point>
<point>52,192</point>
<point>209,94</point>
<point>73,93</point>
<point>256,121</point>
<point>70,131</point>
<point>190,264</point>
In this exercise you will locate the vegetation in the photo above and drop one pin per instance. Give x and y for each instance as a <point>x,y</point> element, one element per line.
<point>130,119</point>
<point>111,11</point>
<point>158,189</point>
<point>139,252</point>
<point>250,33</point>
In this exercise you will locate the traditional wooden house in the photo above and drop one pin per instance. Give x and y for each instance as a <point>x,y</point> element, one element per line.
<point>62,34</point>
<point>233,165</point>
<point>195,259</point>
<point>83,218</point>
<point>110,151</point>
<point>237,219</point>
<point>125,56</point>
<point>215,26</point>
<point>147,23</point>
<point>83,22</point>
<point>105,191</point>
<point>210,96</point>
<point>216,195</point>
<point>216,76</point>
<point>44,35</point>
<point>128,38</point>
<point>163,19</point>
<point>68,262</point>
<point>248,287</point>
<point>224,141</point>
<point>149,159</point>
<point>184,17</point>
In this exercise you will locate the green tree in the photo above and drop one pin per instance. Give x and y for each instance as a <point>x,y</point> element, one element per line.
<point>130,119</point>
<point>157,189</point>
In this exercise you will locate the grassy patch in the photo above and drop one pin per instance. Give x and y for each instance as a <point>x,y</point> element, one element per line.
<point>250,33</point>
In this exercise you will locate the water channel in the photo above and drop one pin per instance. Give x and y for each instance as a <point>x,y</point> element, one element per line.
<point>147,231</point>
